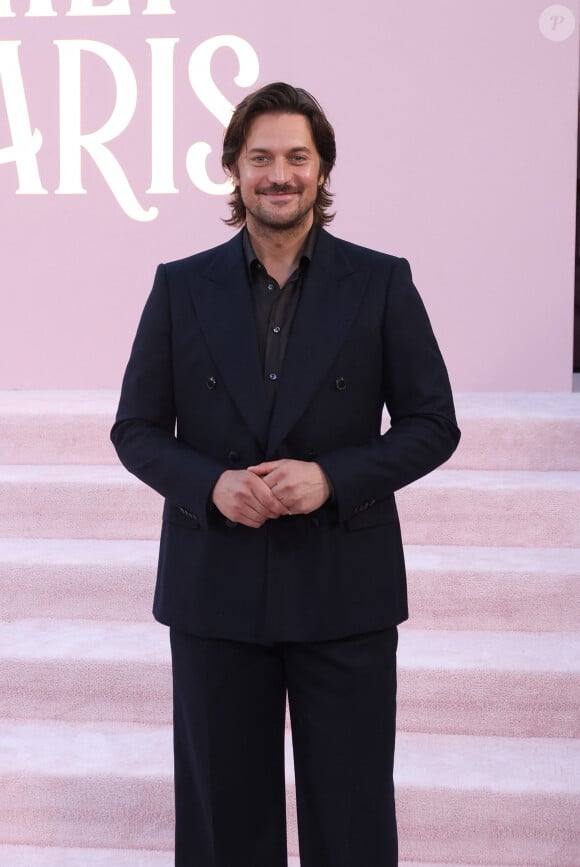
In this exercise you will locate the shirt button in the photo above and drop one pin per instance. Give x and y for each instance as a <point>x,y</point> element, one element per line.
<point>276,329</point>
<point>270,286</point>
<point>273,376</point>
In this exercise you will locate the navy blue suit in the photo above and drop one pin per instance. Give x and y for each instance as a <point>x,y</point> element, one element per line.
<point>192,405</point>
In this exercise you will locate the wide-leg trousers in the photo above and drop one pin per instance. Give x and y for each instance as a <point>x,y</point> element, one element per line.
<point>229,720</point>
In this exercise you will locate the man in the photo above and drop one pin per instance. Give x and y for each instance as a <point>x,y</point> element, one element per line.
<point>252,402</point>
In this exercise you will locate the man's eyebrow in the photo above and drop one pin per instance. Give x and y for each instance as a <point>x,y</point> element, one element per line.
<point>294,150</point>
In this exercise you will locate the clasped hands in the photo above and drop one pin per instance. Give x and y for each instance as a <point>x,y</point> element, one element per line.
<point>270,489</point>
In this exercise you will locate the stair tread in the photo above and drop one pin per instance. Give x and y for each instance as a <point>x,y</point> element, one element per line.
<point>62,550</point>
<point>510,430</point>
<point>440,761</point>
<point>447,478</point>
<point>457,558</point>
<point>489,479</point>
<point>53,856</point>
<point>476,404</point>
<point>88,640</point>
<point>104,401</point>
<point>58,401</point>
<point>147,642</point>
<point>555,652</point>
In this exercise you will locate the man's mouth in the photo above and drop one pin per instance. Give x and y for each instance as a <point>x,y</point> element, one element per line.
<point>278,191</point>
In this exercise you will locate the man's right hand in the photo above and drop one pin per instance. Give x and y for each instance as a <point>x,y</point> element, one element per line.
<point>245,498</point>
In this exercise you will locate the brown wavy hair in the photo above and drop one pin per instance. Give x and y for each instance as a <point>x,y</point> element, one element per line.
<point>280,98</point>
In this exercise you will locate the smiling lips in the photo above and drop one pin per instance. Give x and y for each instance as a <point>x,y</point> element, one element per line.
<point>275,190</point>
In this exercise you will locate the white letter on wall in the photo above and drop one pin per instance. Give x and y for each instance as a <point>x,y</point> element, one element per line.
<point>159,7</point>
<point>72,141</point>
<point>25,143</point>
<point>162,115</point>
<point>40,9</point>
<point>203,85</point>
<point>36,9</point>
<point>85,7</point>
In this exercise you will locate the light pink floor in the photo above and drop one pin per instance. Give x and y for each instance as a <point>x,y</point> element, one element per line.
<point>488,765</point>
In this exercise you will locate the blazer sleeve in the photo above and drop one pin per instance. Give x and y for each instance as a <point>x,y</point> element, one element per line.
<point>417,393</point>
<point>144,430</point>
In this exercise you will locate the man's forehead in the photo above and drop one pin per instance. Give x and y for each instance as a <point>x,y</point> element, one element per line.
<point>292,130</point>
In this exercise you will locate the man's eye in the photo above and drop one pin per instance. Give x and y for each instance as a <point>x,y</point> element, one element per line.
<point>260,160</point>
<point>298,158</point>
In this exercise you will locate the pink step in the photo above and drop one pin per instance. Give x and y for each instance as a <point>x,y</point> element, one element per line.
<point>514,684</point>
<point>525,589</point>
<point>85,670</point>
<point>61,427</point>
<point>485,683</point>
<point>449,507</point>
<point>518,431</point>
<point>54,856</point>
<point>469,587</point>
<point>487,663</point>
<point>110,785</point>
<point>500,431</point>
<point>510,801</point>
<point>104,502</point>
<point>86,578</point>
<point>495,508</point>
<point>86,785</point>
<point>35,856</point>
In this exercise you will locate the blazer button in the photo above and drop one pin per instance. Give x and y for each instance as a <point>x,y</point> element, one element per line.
<point>231,524</point>
<point>234,457</point>
<point>340,383</point>
<point>211,383</point>
<point>310,454</point>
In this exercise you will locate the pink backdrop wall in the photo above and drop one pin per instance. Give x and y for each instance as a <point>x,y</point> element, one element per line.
<point>456,125</point>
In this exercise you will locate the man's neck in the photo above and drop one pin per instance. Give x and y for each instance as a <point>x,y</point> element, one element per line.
<point>278,250</point>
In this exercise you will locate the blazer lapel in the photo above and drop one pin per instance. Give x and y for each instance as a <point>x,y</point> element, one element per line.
<point>224,308</point>
<point>328,305</point>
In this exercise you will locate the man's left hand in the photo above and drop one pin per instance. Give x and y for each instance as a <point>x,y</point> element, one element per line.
<point>301,486</point>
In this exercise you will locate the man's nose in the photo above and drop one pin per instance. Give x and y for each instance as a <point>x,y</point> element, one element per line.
<point>279,171</point>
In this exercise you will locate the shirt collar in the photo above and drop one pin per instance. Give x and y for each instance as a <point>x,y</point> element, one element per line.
<point>306,255</point>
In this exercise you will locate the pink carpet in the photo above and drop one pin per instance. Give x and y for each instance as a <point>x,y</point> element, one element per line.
<point>488,764</point>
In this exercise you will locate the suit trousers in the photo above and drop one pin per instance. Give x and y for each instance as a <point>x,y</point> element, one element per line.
<point>229,725</point>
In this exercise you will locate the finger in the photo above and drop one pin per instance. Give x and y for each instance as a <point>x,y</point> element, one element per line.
<point>262,499</point>
<point>265,467</point>
<point>271,504</point>
<point>252,514</point>
<point>255,524</point>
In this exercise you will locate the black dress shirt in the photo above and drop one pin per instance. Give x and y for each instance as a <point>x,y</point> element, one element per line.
<point>274,309</point>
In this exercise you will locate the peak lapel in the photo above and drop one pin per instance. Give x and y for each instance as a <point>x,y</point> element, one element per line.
<point>328,305</point>
<point>223,304</point>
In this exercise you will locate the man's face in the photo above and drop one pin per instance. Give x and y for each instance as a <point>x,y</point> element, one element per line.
<point>278,172</point>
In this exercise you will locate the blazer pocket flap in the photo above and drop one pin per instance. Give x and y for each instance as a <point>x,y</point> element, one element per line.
<point>383,512</point>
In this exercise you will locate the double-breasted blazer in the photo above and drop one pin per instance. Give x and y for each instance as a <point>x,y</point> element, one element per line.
<point>193,404</point>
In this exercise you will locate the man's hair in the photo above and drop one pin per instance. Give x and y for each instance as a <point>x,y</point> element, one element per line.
<point>280,98</point>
